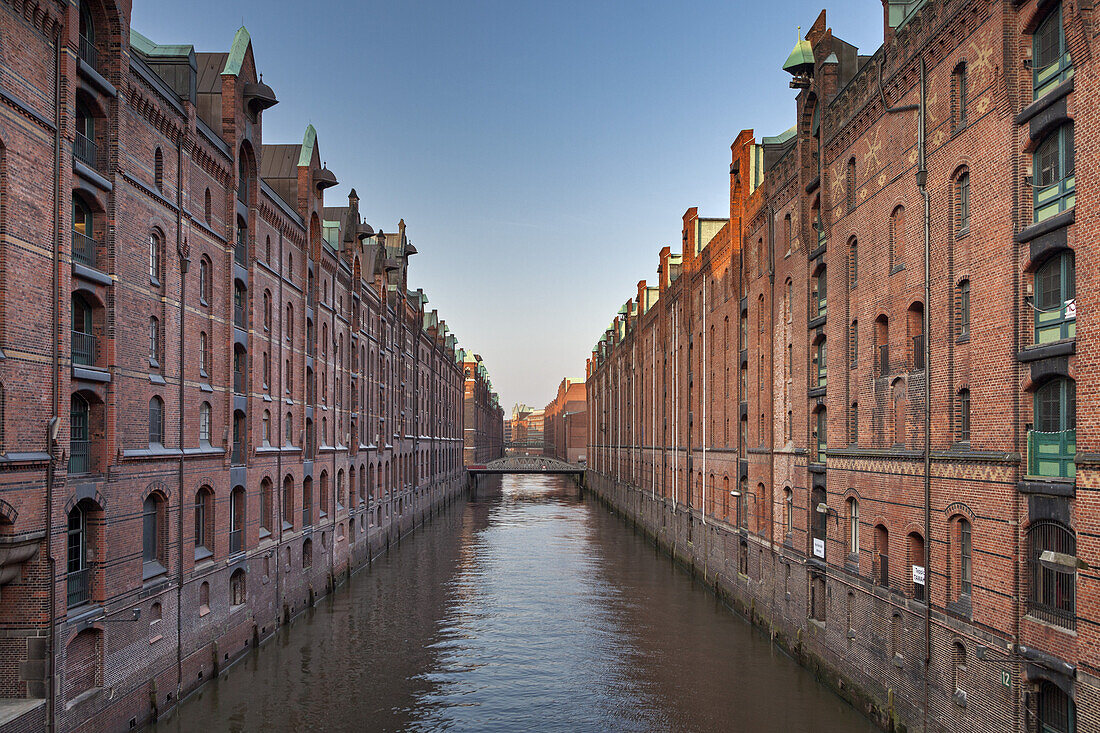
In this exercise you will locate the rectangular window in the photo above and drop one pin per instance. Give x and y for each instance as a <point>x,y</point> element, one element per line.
<point>964,309</point>
<point>965,585</point>
<point>1053,170</point>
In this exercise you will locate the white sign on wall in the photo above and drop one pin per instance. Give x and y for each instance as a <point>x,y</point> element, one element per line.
<point>918,574</point>
<point>819,548</point>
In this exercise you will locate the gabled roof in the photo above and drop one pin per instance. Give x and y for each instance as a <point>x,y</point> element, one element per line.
<point>235,57</point>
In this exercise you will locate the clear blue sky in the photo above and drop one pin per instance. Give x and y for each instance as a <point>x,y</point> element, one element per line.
<point>540,153</point>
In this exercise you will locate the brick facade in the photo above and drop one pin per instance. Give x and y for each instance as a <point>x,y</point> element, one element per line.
<point>233,399</point>
<point>484,417</point>
<point>565,422</point>
<point>761,409</point>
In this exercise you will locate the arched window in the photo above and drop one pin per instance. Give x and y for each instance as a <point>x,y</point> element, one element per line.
<point>267,250</point>
<point>205,280</point>
<point>962,204</point>
<point>915,548</point>
<point>289,326</point>
<point>240,305</point>
<point>240,247</point>
<point>914,317</point>
<point>288,429</point>
<point>1052,444</point>
<point>961,541</point>
<point>204,523</point>
<point>820,436</point>
<point>266,506</point>
<point>1056,299</point>
<point>307,499</point>
<point>788,233</point>
<point>958,96</point>
<point>84,662</point>
<point>1056,711</point>
<point>237,595</point>
<point>307,553</point>
<point>267,310</point>
<point>79,435</point>
<point>158,169</point>
<point>204,598</point>
<point>237,520</point>
<point>154,341</point>
<point>901,406</point>
<point>265,428</point>
<point>155,254</point>
<point>156,423</point>
<point>897,238</point>
<point>1050,58</point>
<point>84,244</point>
<point>964,415</point>
<point>850,183</point>
<point>1053,172</point>
<point>962,297</point>
<point>820,363</point>
<point>243,180</point>
<point>324,493</point>
<point>853,526</point>
<point>266,370</point>
<point>882,555</point>
<point>206,206</point>
<point>788,511</point>
<point>204,423</point>
<point>204,355</point>
<point>80,550</point>
<point>88,36</point>
<point>853,263</point>
<point>153,531</point>
<point>288,502</point>
<point>882,344</point>
<point>958,665</point>
<point>819,289</point>
<point>1052,579</point>
<point>853,423</point>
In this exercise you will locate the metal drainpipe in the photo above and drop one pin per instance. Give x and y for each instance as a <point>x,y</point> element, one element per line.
<point>771,310</point>
<point>184,250</point>
<point>922,183</point>
<point>55,378</point>
<point>277,485</point>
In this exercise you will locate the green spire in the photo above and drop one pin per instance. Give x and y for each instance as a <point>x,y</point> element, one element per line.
<point>801,59</point>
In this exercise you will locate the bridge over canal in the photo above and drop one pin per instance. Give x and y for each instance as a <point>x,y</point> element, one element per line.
<point>525,464</point>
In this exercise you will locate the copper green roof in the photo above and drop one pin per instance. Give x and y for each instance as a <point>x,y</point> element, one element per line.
<point>802,54</point>
<point>780,138</point>
<point>308,142</point>
<point>149,48</point>
<point>236,52</point>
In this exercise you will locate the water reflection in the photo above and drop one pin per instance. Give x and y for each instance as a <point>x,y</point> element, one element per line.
<point>527,609</point>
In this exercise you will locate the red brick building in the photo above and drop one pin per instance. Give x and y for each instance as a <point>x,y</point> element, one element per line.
<point>218,395</point>
<point>884,466</point>
<point>483,417</point>
<point>565,422</point>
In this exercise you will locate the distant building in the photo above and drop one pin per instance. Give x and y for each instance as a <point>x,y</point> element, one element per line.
<point>566,422</point>
<point>527,431</point>
<point>483,417</point>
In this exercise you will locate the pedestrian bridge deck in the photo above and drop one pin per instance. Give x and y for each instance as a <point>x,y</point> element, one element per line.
<point>525,464</point>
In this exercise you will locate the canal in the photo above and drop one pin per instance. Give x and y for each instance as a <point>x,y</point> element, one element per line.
<point>530,609</point>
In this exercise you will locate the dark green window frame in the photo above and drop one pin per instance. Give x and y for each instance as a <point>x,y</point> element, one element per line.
<point>1055,182</point>
<point>1050,58</point>
<point>1055,299</point>
<point>1052,443</point>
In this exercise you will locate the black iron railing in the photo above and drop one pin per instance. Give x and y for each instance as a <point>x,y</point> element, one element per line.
<point>84,348</point>
<point>79,456</point>
<point>88,53</point>
<point>84,248</point>
<point>79,586</point>
<point>236,540</point>
<point>85,150</point>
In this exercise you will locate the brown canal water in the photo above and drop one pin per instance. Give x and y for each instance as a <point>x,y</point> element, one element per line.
<point>531,609</point>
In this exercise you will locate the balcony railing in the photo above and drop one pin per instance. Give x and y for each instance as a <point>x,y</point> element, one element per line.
<point>84,348</point>
<point>238,453</point>
<point>240,254</point>
<point>240,319</point>
<point>236,540</point>
<point>238,382</point>
<point>85,150</point>
<point>884,359</point>
<point>84,248</point>
<point>918,352</point>
<point>79,456</point>
<point>79,586</point>
<point>1051,455</point>
<point>88,53</point>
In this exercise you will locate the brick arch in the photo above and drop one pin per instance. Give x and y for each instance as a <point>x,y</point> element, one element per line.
<point>156,487</point>
<point>959,509</point>
<point>80,494</point>
<point>8,514</point>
